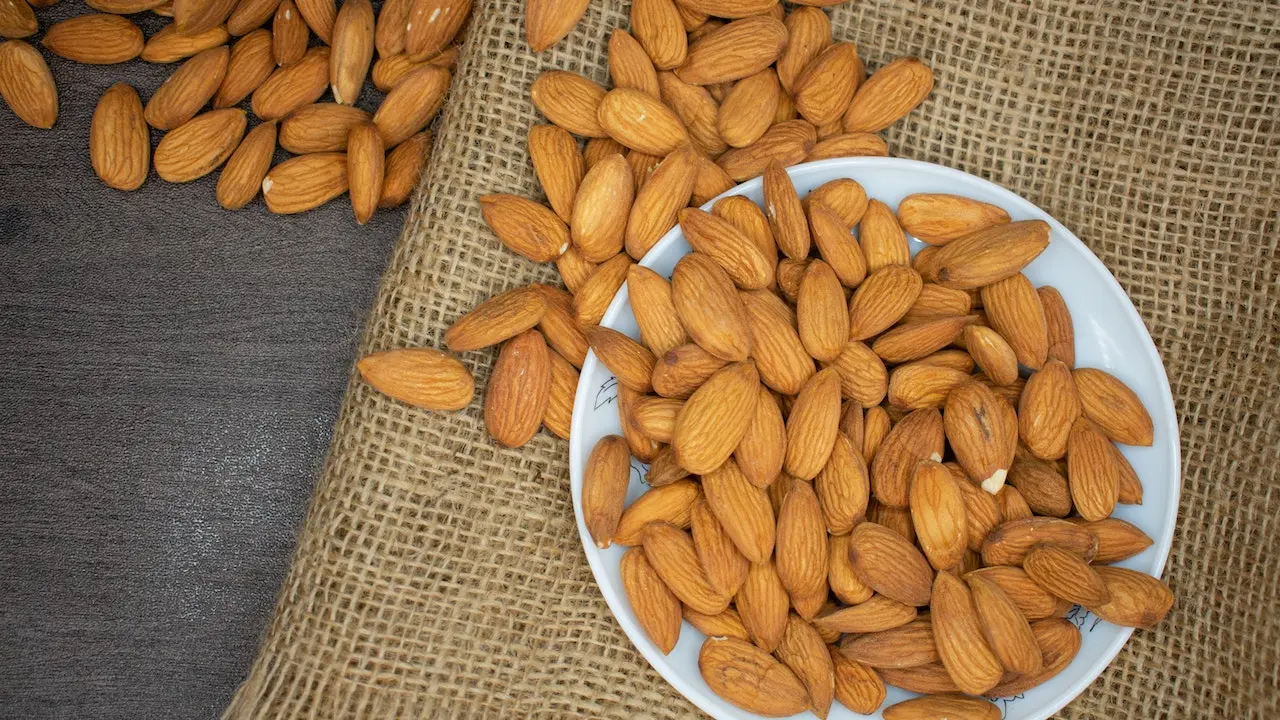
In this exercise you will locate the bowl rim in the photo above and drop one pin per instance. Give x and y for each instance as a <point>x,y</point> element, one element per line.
<point>1167,423</point>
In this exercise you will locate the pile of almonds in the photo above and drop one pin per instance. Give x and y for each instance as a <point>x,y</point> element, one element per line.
<point>338,147</point>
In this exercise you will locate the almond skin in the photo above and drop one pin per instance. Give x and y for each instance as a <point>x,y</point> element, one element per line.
<point>499,318</point>
<point>992,353</point>
<point>292,86</point>
<point>682,370</point>
<point>187,89</point>
<point>1137,599</point>
<point>783,362</point>
<point>365,169</point>
<point>762,604</point>
<point>981,511</point>
<point>1041,485</point>
<point>1114,407</point>
<point>709,307</point>
<point>812,425</point>
<point>748,109</point>
<point>923,385</point>
<point>846,198</point>
<point>320,127</point>
<point>877,614</point>
<point>808,34</point>
<point>191,17</point>
<point>570,101</point>
<point>597,291</point>
<point>656,607</point>
<point>740,48</point>
<point>600,209</point>
<point>119,145</point>
<point>642,446</point>
<point>936,301</point>
<point>825,88</point>
<point>562,332</point>
<point>843,487</point>
<point>248,15</point>
<point>822,317</point>
<point>914,340</point>
<point>27,85</point>
<point>743,509</point>
<point>1062,341</point>
<point>863,377</point>
<point>198,146</point>
<point>837,246</point>
<point>841,576</point>
<point>726,568</point>
<point>715,418</point>
<point>547,22</point>
<point>241,177</point>
<point>931,679</point>
<point>760,453</point>
<point>320,16</point>
<point>95,39</point>
<point>251,62</point>
<point>352,50</point>
<point>1005,628</point>
<point>558,164</point>
<point>888,95</point>
<point>604,488</point>
<point>848,145</point>
<point>801,543</point>
<point>629,64</point>
<point>658,201</point>
<point>976,429</point>
<point>1013,309</point>
<point>630,361</point>
<point>1047,409</point>
<point>750,678</point>
<point>890,565</point>
<point>1059,642</point>
<point>670,550</point>
<point>965,653</point>
<point>564,384</point>
<point>519,390</point>
<point>918,436</point>
<point>169,45</point>
<point>786,215</point>
<point>433,24</point>
<point>303,182</point>
<point>938,218</point>
<point>641,122</point>
<point>1010,543</point>
<point>989,255</point>
<point>736,253</point>
<point>881,300</point>
<point>938,515</point>
<point>727,624</point>
<point>1065,575</point>
<point>655,313</point>
<point>697,110</point>
<point>525,227</point>
<point>289,34</point>
<point>423,377</point>
<point>412,104</point>
<point>17,20</point>
<point>1091,471</point>
<point>857,686</point>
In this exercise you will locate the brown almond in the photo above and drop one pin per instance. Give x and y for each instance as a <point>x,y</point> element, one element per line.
<point>1013,309</point>
<point>365,169</point>
<point>564,385</point>
<point>641,122</point>
<point>848,145</point>
<point>731,249</point>
<point>518,393</point>
<point>573,269</point>
<point>191,17</point>
<point>247,16</point>
<point>903,646</point>
<point>803,650</point>
<point>877,614</point>
<point>525,227</point>
<point>1059,642</point>
<point>658,28</point>
<point>939,218</point>
<point>95,39</point>
<point>423,377</point>
<point>914,340</point>
<point>1137,599</point>
<point>813,424</point>
<point>748,109</point>
<point>656,608</point>
<point>599,148</point>
<point>938,515</point>
<point>785,212</point>
<point>1117,540</point>
<point>1043,488</point>
<point>801,543</point>
<point>389,36</point>
<point>1113,406</point>
<point>198,146</point>
<point>837,246</point>
<point>857,686</point>
<point>863,377</point>
<point>936,301</point>
<point>1091,471</point>
<point>930,679</point>
<point>251,62</point>
<point>547,22</point>
<point>289,34</point>
<point>352,50</point>
<point>750,678</point>
<point>727,624</point>
<point>823,320</point>
<point>499,318</point>
<point>808,33</point>
<point>119,145</point>
<point>594,295</point>
<point>658,201</point>
<point>671,552</point>
<point>1012,505</point>
<point>17,20</point>
<point>823,91</point>
<point>977,434</point>
<point>320,127</point>
<point>655,313</point>
<point>989,255</point>
<point>715,418</point>
<point>1033,601</point>
<point>992,353</point>
<point>558,164</point>
<point>923,384</point>
<point>740,48</point>
<point>785,143</point>
<point>26,84</point>
<point>292,86</point>
<point>629,64</point>
<point>731,8</point>
<point>843,487</point>
<point>1005,627</point>
<point>600,209</point>
<point>187,89</point>
<point>890,565</point>
<point>642,166</point>
<point>1065,575</point>
<point>844,196</point>
<point>242,176</point>
<point>671,503</point>
<point>943,706</point>
<point>627,359</point>
<point>918,436</point>
<point>709,307</point>
<point>780,355</point>
<point>1047,410</point>
<point>604,487</point>
<point>789,274</point>
<point>981,511</point>
<point>433,24</point>
<point>1062,339</point>
<point>762,604</point>
<point>643,447</point>
<point>888,95</point>
<point>304,182</point>
<point>760,452</point>
<point>319,16</point>
<point>570,101</point>
<point>742,508</point>
<point>115,7</point>
<point>696,109</point>
<point>882,239</point>
<point>882,299</point>
<point>725,567</point>
<point>957,630</point>
<point>684,369</point>
<point>168,45</point>
<point>1010,543</point>
<point>411,104</point>
<point>841,575</point>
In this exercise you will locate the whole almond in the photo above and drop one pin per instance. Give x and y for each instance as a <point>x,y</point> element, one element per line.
<point>305,182</point>
<point>784,143</point>
<point>655,314</point>
<point>823,320</point>
<point>837,246</point>
<point>119,145</point>
<point>748,109</point>
<point>684,369</point>
<point>762,604</point>
<point>292,86</point>
<point>251,62</point>
<point>116,7</point>
<point>903,646</point>
<point>424,377</point>
<point>672,503</point>
<point>658,201</point>
<point>1048,408</point>
<point>801,544</point>
<point>352,50</point>
<point>95,39</point>
<point>808,33</point>
<point>558,164</point>
<point>1033,601</point>
<point>365,167</point>
<point>780,355</point>
<point>658,28</point>
<point>976,432</point>
<point>1043,488</point>
<point>525,227</point>
<point>760,452</point>
<point>1062,339</point>
<point>788,275</point>
<point>1091,471</point>
<point>169,45</point>
<point>595,294</point>
<point>915,340</point>
<point>697,110</point>
<point>890,565</point>
<point>952,358</point>
<point>750,678</point>
<point>27,85</point>
<point>740,48</point>
<point>564,385</point>
<point>990,255</point>
<point>841,576</point>
<point>641,122</point>
<point>656,608</point>
<point>991,352</point>
<point>845,197</point>
<point>1137,599</point>
<point>570,101</point>
<point>813,425</point>
<point>823,91</point>
<point>410,105</point>
<point>922,384</point>
<point>187,89</point>
<point>939,218</point>
<point>599,148</point>
<point>629,65</point>
<point>843,487</point>
<point>1013,309</point>
<point>198,146</point>
<point>604,486</point>
<point>918,436</point>
<point>643,447</point>
<point>1010,543</point>
<point>957,630</point>
<point>876,614</point>
<point>725,567</point>
<point>432,24</point>
<point>627,359</point>
<point>671,552</point>
<point>17,20</point>
<point>882,299</point>
<point>848,145</point>
<point>857,686</point>
<point>709,307</point>
<point>519,391</point>
<point>938,515</point>
<point>1065,575</point>
<point>786,214</point>
<point>1012,505</point>
<point>863,377</point>
<point>981,511</point>
<point>1117,540</point>
<point>882,239</point>
<point>1113,406</point>
<point>547,22</point>
<point>727,624</point>
<point>1059,642</point>
<point>289,34</point>
<point>931,679</point>
<point>1005,627</point>
<point>742,508</point>
<point>943,706</point>
<point>320,127</point>
<point>248,15</point>
<point>803,650</point>
<point>853,425</point>
<point>888,95</point>
<point>389,35</point>
<point>715,418</point>
<point>731,8</point>
<point>319,16</point>
<point>241,177</point>
<point>499,318</point>
<point>191,17</point>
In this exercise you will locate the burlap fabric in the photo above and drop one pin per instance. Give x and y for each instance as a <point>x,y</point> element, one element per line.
<point>440,576</point>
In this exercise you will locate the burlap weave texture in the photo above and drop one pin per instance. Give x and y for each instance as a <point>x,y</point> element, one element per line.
<point>438,575</point>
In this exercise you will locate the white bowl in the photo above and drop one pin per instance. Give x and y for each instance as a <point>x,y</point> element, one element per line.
<point>1109,335</point>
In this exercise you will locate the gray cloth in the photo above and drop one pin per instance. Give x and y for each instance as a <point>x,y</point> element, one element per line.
<point>169,376</point>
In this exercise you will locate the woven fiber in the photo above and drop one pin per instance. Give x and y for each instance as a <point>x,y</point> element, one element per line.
<point>439,575</point>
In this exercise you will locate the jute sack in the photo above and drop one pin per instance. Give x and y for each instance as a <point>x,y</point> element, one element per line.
<point>438,575</point>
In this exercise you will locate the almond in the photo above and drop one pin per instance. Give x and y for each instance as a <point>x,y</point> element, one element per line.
<point>249,65</point>
<point>627,359</point>
<point>786,214</point>
<point>17,20</point>
<point>570,101</point>
<point>823,91</point>
<point>671,552</point>
<point>742,509</point>
<point>597,291</point>
<point>1042,487</point>
<point>736,253</point>
<point>289,34</point>
<point>599,148</point>
<point>976,431</point>
<point>499,318</point>
<point>724,566</point>
<point>863,377</point>
<point>191,17</point>
<point>1065,575</point>
<point>890,565</point>
<point>293,86</point>
<point>574,271</point>
<point>671,503</point>
<point>914,340</point>
<point>837,246</point>
<point>953,359</point>
<point>410,105</point>
<point>731,8</point>
<point>760,453</point>
<point>119,145</point>
<point>992,353</point>
<point>936,301</point>
<point>423,377</point>
<point>559,166</point>
<point>748,109</point>
<point>762,604</point>
<point>1014,310</point>
<point>918,436</point>
<point>903,646</point>
<point>657,25</point>
<point>939,218</point>
<point>246,16</point>
<point>848,145</point>
<point>857,686</point>
<point>241,178</point>
<point>709,307</point>
<point>115,7</point>
<point>928,679</point>
<point>750,678</point>
<point>882,239</point>
<point>600,209</point>
<point>1010,543</point>
<point>932,707</point>
<point>95,39</point>
<point>877,614</point>
<point>433,24</point>
<point>785,143</point>
<point>320,16</point>
<point>547,22</point>
<point>888,95</point>
<point>642,446</point>
<point>518,394</point>
<point>1091,471</point>
<point>715,418</point>
<point>1059,642</point>
<point>803,650</point>
<point>981,511</point>
<point>642,166</point>
<point>1033,601</point>
<point>1012,505</point>
<point>320,127</point>
<point>740,48</point>
<point>789,274</point>
<point>27,85</point>
<point>1117,540</point>
<point>813,424</point>
<point>169,45</point>
<point>923,384</point>
<point>525,227</point>
<point>845,197</point>
<point>352,50</point>
<point>823,318</point>
<point>365,169</point>
<point>808,33</point>
<point>564,384</point>
<point>656,608</point>
<point>938,515</point>
<point>655,313</point>
<point>198,146</point>
<point>1062,339</point>
<point>684,369</point>
<point>697,110</point>
<point>187,89</point>
<point>1114,407</point>
<point>1048,408</point>
<point>882,299</point>
<point>304,182</point>
<point>561,329</point>
<point>604,488</point>
<point>989,255</point>
<point>1137,599</point>
<point>843,487</point>
<point>727,624</point>
<point>801,545</point>
<point>1005,628</point>
<point>777,349</point>
<point>630,66</point>
<point>957,630</point>
<point>641,122</point>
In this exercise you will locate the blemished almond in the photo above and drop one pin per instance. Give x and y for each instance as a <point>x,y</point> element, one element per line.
<point>187,89</point>
<point>992,353</point>
<point>785,143</point>
<point>671,552</point>
<point>882,299</point>
<point>964,650</point>
<point>604,488</point>
<point>292,86</point>
<point>838,247</point>
<point>823,91</point>
<point>1013,309</point>
<point>914,340</point>
<point>903,646</point>
<point>547,22</point>
<point>198,146</point>
<point>939,218</point>
<point>785,212</point>
<point>725,567</point>
<point>658,28</point>
<point>848,145</point>
<point>352,50</point>
<point>499,318</point>
<point>641,122</point>
<point>844,196</point>
<point>319,16</point>
<point>1117,540</point>
<point>423,377</point>
<point>1062,338</point>
<point>803,650</point>
<point>981,511</point>
<point>876,614</point>
<point>404,166</point>
<point>1010,543</point>
<point>1064,574</point>
<point>1091,471</point>
<point>863,377</point>
<point>709,307</point>
<point>918,436</point>
<point>17,20</point>
<point>119,145</point>
<point>938,515</point>
<point>1059,642</point>
<point>857,686</point>
<point>26,84</point>
<point>808,33</point>
<point>843,487</point>
<point>642,446</point>
<point>628,360</point>
<point>655,313</point>
<point>519,391</point>
<point>304,182</point>
<point>813,424</point>
<point>882,238</point>
<point>783,362</point>
<point>801,543</point>
<point>320,127</point>
<point>888,95</point>
<point>841,576</point>
<point>713,421</point>
<point>525,227</point>
<point>887,563</point>
<point>1043,488</point>
<point>95,39</point>
<point>760,452</point>
<point>570,101</point>
<point>750,678</point>
<point>1137,599</point>
<point>976,432</point>
<point>742,508</point>
<point>365,169</point>
<point>931,707</point>
<point>596,292</point>
<point>988,256</point>
<point>168,45</point>
<point>762,604</point>
<point>410,105</point>
<point>656,608</point>
<point>727,624</point>
<point>559,165</point>
<point>671,503</point>
<point>289,34</point>
<point>658,201</point>
<point>241,177</point>
<point>740,48</point>
<point>247,15</point>
<point>696,109</point>
<point>629,64</point>
<point>683,369</point>
<point>823,319</point>
<point>1113,406</point>
<point>748,109</point>
<point>1005,627</point>
<point>930,679</point>
<point>1034,602</point>
<point>564,384</point>
<point>600,209</point>
<point>249,65</point>
<point>1048,408</point>
<point>191,17</point>
<point>922,384</point>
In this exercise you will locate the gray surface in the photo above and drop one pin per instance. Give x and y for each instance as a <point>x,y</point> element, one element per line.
<point>169,374</point>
